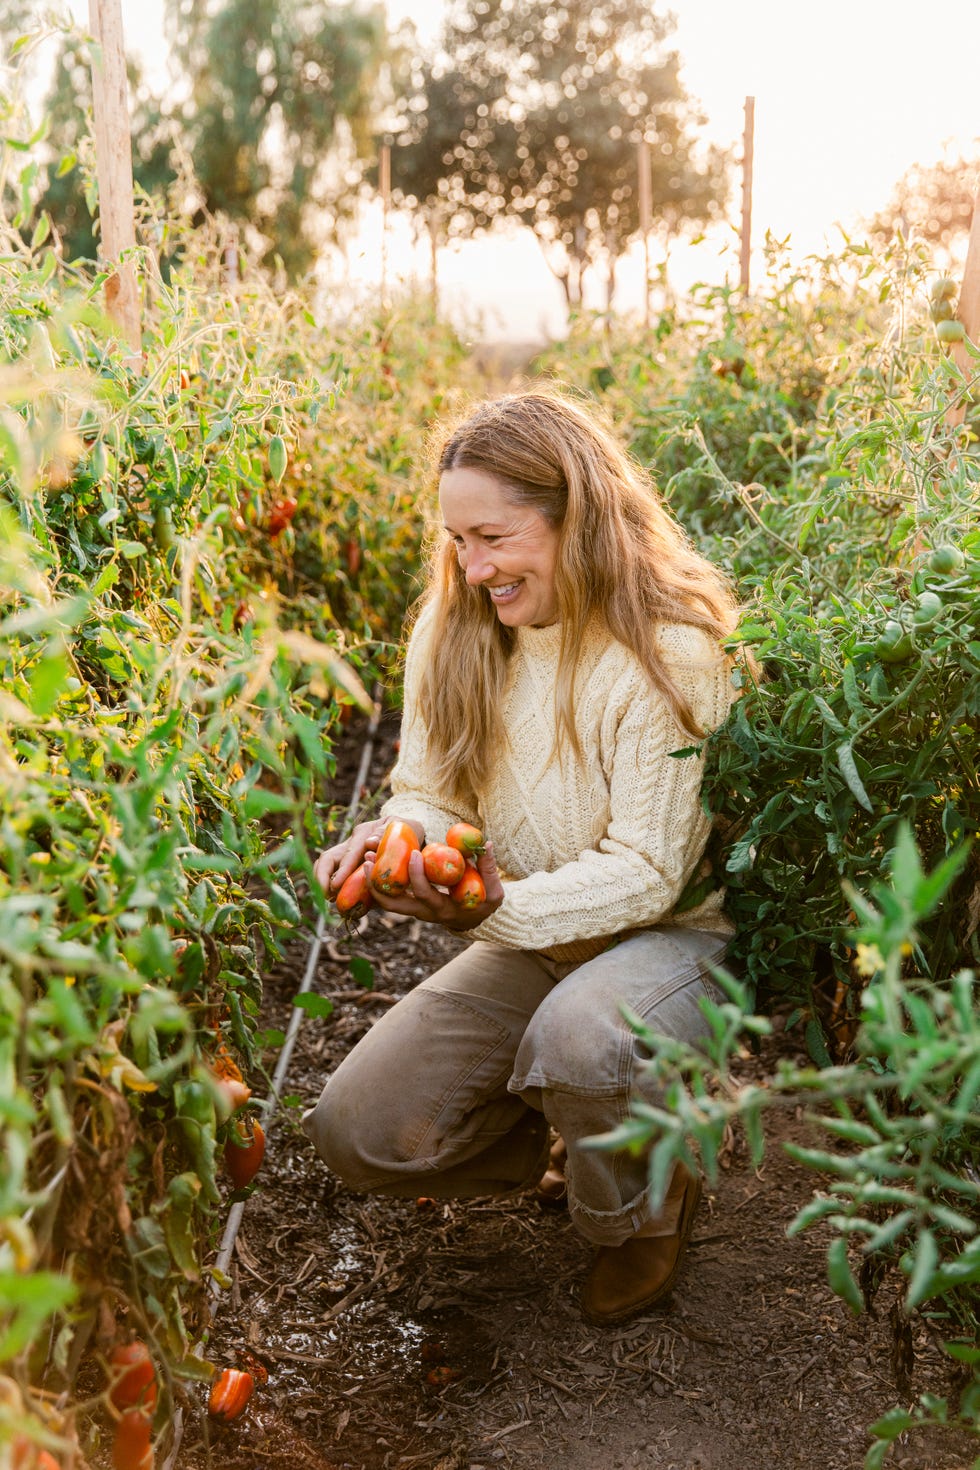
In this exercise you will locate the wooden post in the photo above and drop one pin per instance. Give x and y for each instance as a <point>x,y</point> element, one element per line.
<point>748,143</point>
<point>968,311</point>
<point>432,223</point>
<point>644,203</point>
<point>384,185</point>
<point>114,165</point>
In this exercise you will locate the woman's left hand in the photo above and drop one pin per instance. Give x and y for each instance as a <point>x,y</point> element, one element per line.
<point>423,901</point>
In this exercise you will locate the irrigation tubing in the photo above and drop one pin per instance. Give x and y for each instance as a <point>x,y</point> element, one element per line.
<point>271,1103</point>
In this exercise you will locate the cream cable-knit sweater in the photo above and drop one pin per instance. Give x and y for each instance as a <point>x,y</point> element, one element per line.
<point>586,850</point>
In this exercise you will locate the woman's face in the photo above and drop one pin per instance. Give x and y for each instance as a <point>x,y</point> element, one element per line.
<point>508,549</point>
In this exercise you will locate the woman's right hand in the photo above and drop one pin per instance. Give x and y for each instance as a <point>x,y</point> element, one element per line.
<point>335,864</point>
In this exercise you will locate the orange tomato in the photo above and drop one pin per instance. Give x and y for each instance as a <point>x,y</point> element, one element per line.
<point>466,839</point>
<point>469,891</point>
<point>133,1379</point>
<point>131,1447</point>
<point>354,897</point>
<point>229,1394</point>
<point>390,872</point>
<point>443,864</point>
<point>244,1152</point>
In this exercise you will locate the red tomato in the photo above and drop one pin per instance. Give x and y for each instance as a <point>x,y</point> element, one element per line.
<point>281,513</point>
<point>234,1095</point>
<point>132,1376</point>
<point>131,1448</point>
<point>466,839</point>
<point>443,864</point>
<point>229,1394</point>
<point>352,556</point>
<point>469,891</point>
<point>244,1152</point>
<point>354,897</point>
<point>390,872</point>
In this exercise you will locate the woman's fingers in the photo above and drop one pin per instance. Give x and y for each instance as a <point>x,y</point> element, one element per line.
<point>334,866</point>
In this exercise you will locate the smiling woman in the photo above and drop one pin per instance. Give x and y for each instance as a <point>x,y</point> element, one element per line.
<point>569,644</point>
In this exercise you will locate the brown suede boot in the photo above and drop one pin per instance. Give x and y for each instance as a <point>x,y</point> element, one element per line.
<point>625,1279</point>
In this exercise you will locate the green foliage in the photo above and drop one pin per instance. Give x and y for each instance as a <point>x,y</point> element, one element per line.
<point>811,456</point>
<point>172,675</point>
<point>899,1187</point>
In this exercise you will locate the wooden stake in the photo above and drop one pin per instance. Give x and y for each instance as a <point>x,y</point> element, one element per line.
<point>968,311</point>
<point>114,165</point>
<point>384,185</point>
<point>645,206</point>
<point>748,145</point>
<point>433,227</point>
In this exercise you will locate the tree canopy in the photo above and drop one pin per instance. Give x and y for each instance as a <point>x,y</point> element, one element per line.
<point>535,110</point>
<point>269,83</point>
<point>934,200</point>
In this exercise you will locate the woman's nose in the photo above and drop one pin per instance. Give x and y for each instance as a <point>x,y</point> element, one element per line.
<point>477,567</point>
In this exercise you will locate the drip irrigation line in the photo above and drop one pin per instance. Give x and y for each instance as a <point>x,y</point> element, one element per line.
<point>269,1104</point>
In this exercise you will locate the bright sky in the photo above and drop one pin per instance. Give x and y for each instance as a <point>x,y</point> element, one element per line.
<point>849,94</point>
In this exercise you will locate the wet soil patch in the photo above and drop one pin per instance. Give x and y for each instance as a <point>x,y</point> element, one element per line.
<point>404,1335</point>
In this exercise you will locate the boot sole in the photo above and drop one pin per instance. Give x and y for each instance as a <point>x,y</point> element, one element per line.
<point>692,1200</point>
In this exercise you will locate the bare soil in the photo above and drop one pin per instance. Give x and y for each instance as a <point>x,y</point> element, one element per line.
<point>422,1336</point>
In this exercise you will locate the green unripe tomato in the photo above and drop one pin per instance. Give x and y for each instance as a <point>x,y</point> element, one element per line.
<point>950,331</point>
<point>163,527</point>
<point>929,606</point>
<point>942,310</point>
<point>943,288</point>
<point>894,644</point>
<point>946,559</point>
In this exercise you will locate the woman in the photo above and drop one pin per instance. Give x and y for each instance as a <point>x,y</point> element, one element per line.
<point>568,647</point>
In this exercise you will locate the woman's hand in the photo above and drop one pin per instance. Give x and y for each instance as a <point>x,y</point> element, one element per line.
<point>335,864</point>
<point>432,905</point>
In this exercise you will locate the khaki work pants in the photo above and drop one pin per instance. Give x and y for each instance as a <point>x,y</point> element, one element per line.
<point>451,1093</point>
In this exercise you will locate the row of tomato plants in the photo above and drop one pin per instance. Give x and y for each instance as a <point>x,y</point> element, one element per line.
<point>206,552</point>
<point>821,444</point>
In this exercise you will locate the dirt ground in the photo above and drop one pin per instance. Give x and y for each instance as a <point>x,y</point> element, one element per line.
<point>421,1336</point>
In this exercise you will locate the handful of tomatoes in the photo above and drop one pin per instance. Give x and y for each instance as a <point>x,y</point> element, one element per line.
<point>449,865</point>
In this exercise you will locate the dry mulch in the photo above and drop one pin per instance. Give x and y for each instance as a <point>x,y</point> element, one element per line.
<point>435,1336</point>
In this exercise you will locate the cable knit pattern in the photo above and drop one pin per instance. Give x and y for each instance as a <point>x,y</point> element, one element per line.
<point>590,849</point>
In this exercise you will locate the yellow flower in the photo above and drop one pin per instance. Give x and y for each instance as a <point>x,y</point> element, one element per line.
<point>869,959</point>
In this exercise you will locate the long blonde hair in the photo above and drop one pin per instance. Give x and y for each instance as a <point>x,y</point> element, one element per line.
<point>621,556</point>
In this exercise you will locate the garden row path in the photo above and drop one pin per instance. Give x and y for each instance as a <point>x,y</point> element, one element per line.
<point>403,1335</point>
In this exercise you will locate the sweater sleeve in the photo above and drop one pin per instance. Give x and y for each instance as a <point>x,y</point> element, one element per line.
<point>415,790</point>
<point>655,835</point>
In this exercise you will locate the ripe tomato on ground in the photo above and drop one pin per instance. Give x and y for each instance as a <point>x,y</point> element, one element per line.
<point>390,872</point>
<point>229,1394</point>
<point>443,864</point>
